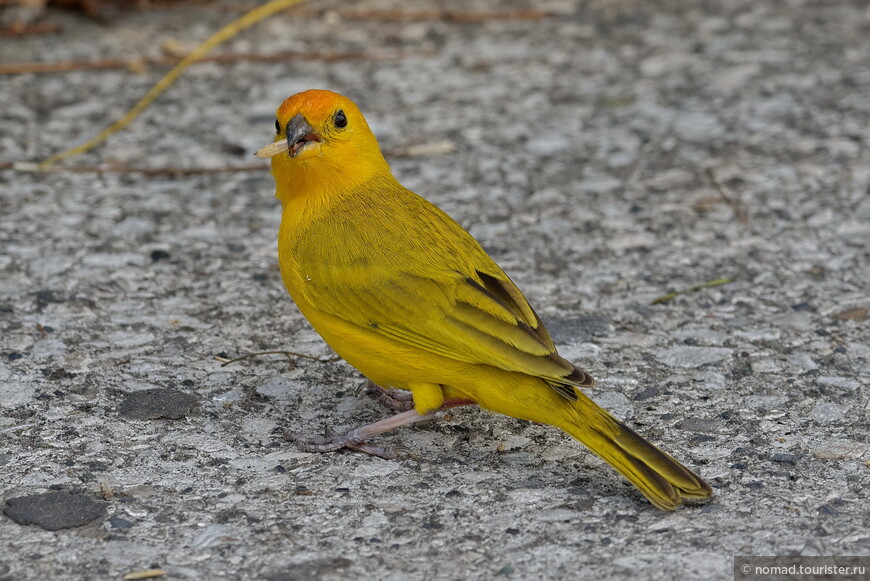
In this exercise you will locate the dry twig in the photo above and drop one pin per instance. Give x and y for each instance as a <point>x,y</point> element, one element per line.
<point>139,62</point>
<point>443,15</point>
<point>21,29</point>
<point>290,354</point>
<point>148,171</point>
<point>222,35</point>
<point>419,149</point>
<point>727,197</point>
<point>697,287</point>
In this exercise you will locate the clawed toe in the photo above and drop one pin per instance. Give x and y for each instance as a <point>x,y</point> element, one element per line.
<point>333,442</point>
<point>357,439</point>
<point>391,398</point>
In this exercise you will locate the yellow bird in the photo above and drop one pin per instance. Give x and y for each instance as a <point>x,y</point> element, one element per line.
<point>404,294</point>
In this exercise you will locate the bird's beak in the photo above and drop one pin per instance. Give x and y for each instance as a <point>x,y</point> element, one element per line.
<point>302,141</point>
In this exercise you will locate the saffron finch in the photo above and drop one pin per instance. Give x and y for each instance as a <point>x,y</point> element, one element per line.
<point>404,294</point>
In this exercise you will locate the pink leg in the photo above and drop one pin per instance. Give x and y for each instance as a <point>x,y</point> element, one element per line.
<point>356,439</point>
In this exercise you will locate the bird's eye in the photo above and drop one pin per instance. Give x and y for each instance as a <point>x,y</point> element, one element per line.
<point>277,126</point>
<point>340,119</point>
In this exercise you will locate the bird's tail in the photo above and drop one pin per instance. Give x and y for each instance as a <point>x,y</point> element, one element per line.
<point>660,478</point>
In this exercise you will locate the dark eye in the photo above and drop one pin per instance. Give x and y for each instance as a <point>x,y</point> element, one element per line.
<point>340,119</point>
<point>277,126</point>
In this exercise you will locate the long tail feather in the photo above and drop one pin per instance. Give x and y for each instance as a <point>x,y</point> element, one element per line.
<point>660,478</point>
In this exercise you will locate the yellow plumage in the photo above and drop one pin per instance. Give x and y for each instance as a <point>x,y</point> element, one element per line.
<point>409,298</point>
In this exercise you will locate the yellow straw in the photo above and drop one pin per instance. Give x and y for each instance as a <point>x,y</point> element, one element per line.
<point>224,34</point>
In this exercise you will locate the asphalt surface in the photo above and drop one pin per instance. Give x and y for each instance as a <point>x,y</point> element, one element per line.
<point>605,154</point>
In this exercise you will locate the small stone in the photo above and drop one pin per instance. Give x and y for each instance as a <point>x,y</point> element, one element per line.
<point>158,255</point>
<point>506,571</point>
<point>669,179</point>
<point>152,404</point>
<point>711,379</point>
<point>826,411</point>
<point>766,365</point>
<point>698,425</point>
<point>141,491</point>
<point>692,356</point>
<point>519,458</point>
<point>647,393</point>
<point>661,64</point>
<point>735,77</point>
<point>232,396</point>
<point>785,458</point>
<point>855,314</point>
<point>631,241</point>
<point>843,449</point>
<point>578,329</point>
<point>120,523</point>
<point>616,403</point>
<point>803,361</point>
<point>277,388</point>
<point>548,144</point>
<point>599,184</point>
<point>697,125</point>
<point>840,382</point>
<point>53,511</point>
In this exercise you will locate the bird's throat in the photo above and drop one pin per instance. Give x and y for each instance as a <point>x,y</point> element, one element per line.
<point>320,180</point>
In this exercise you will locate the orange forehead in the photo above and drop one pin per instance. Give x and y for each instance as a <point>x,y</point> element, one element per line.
<point>315,105</point>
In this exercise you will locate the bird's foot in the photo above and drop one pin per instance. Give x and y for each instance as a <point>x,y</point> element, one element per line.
<point>356,439</point>
<point>332,442</point>
<point>393,399</point>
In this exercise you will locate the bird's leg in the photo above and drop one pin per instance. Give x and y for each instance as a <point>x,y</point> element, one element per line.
<point>356,439</point>
<point>393,399</point>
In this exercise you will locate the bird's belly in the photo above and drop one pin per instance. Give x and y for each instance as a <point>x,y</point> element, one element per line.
<point>390,363</point>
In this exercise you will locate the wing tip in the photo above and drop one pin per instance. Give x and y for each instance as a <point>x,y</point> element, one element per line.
<point>567,384</point>
<point>580,378</point>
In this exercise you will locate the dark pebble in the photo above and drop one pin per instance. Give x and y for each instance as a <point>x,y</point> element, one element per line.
<point>785,458</point>
<point>53,511</point>
<point>152,404</point>
<point>120,523</point>
<point>577,330</point>
<point>698,425</point>
<point>647,393</point>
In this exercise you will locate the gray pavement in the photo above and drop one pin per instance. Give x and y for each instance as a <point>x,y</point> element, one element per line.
<point>577,149</point>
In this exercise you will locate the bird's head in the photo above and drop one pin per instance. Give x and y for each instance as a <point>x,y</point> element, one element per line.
<point>322,145</point>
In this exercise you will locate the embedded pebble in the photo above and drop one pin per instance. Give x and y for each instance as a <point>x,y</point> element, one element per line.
<point>54,511</point>
<point>152,404</point>
<point>691,356</point>
<point>827,412</point>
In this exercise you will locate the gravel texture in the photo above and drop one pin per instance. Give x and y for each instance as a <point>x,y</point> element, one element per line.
<point>577,149</point>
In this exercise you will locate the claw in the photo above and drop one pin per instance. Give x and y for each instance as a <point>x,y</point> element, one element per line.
<point>393,399</point>
<point>357,439</point>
